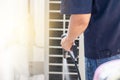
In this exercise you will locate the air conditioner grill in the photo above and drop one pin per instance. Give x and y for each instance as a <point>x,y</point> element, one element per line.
<point>58,25</point>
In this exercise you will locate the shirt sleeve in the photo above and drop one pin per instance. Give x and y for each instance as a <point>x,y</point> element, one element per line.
<point>76,6</point>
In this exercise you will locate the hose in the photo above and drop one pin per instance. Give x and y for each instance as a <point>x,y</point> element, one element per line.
<point>75,62</point>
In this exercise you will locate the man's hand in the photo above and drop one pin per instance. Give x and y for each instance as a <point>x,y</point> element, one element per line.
<point>66,43</point>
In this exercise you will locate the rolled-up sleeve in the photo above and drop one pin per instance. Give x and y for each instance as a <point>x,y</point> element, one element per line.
<point>76,6</point>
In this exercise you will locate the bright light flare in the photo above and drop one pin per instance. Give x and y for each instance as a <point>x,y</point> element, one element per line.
<point>13,31</point>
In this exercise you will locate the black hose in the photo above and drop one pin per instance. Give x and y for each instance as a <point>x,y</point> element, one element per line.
<point>75,62</point>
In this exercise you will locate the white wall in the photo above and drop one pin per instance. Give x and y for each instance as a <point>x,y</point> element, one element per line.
<point>37,11</point>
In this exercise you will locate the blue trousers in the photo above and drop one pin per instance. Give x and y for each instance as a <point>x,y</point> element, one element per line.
<point>92,64</point>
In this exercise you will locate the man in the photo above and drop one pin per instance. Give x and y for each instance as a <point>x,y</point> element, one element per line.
<point>100,22</point>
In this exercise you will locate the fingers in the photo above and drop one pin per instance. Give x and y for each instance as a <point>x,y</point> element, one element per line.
<point>66,44</point>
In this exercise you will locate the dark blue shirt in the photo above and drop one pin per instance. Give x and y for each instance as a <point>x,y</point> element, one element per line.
<point>102,37</point>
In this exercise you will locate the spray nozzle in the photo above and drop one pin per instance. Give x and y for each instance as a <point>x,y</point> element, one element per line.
<point>73,53</point>
<point>63,35</point>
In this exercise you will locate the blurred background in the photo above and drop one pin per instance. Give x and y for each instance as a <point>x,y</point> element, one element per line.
<point>30,34</point>
<point>21,39</point>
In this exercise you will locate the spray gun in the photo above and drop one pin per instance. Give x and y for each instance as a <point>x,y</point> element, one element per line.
<point>73,51</point>
<point>74,55</point>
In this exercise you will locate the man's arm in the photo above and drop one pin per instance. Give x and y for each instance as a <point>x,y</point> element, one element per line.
<point>78,24</point>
